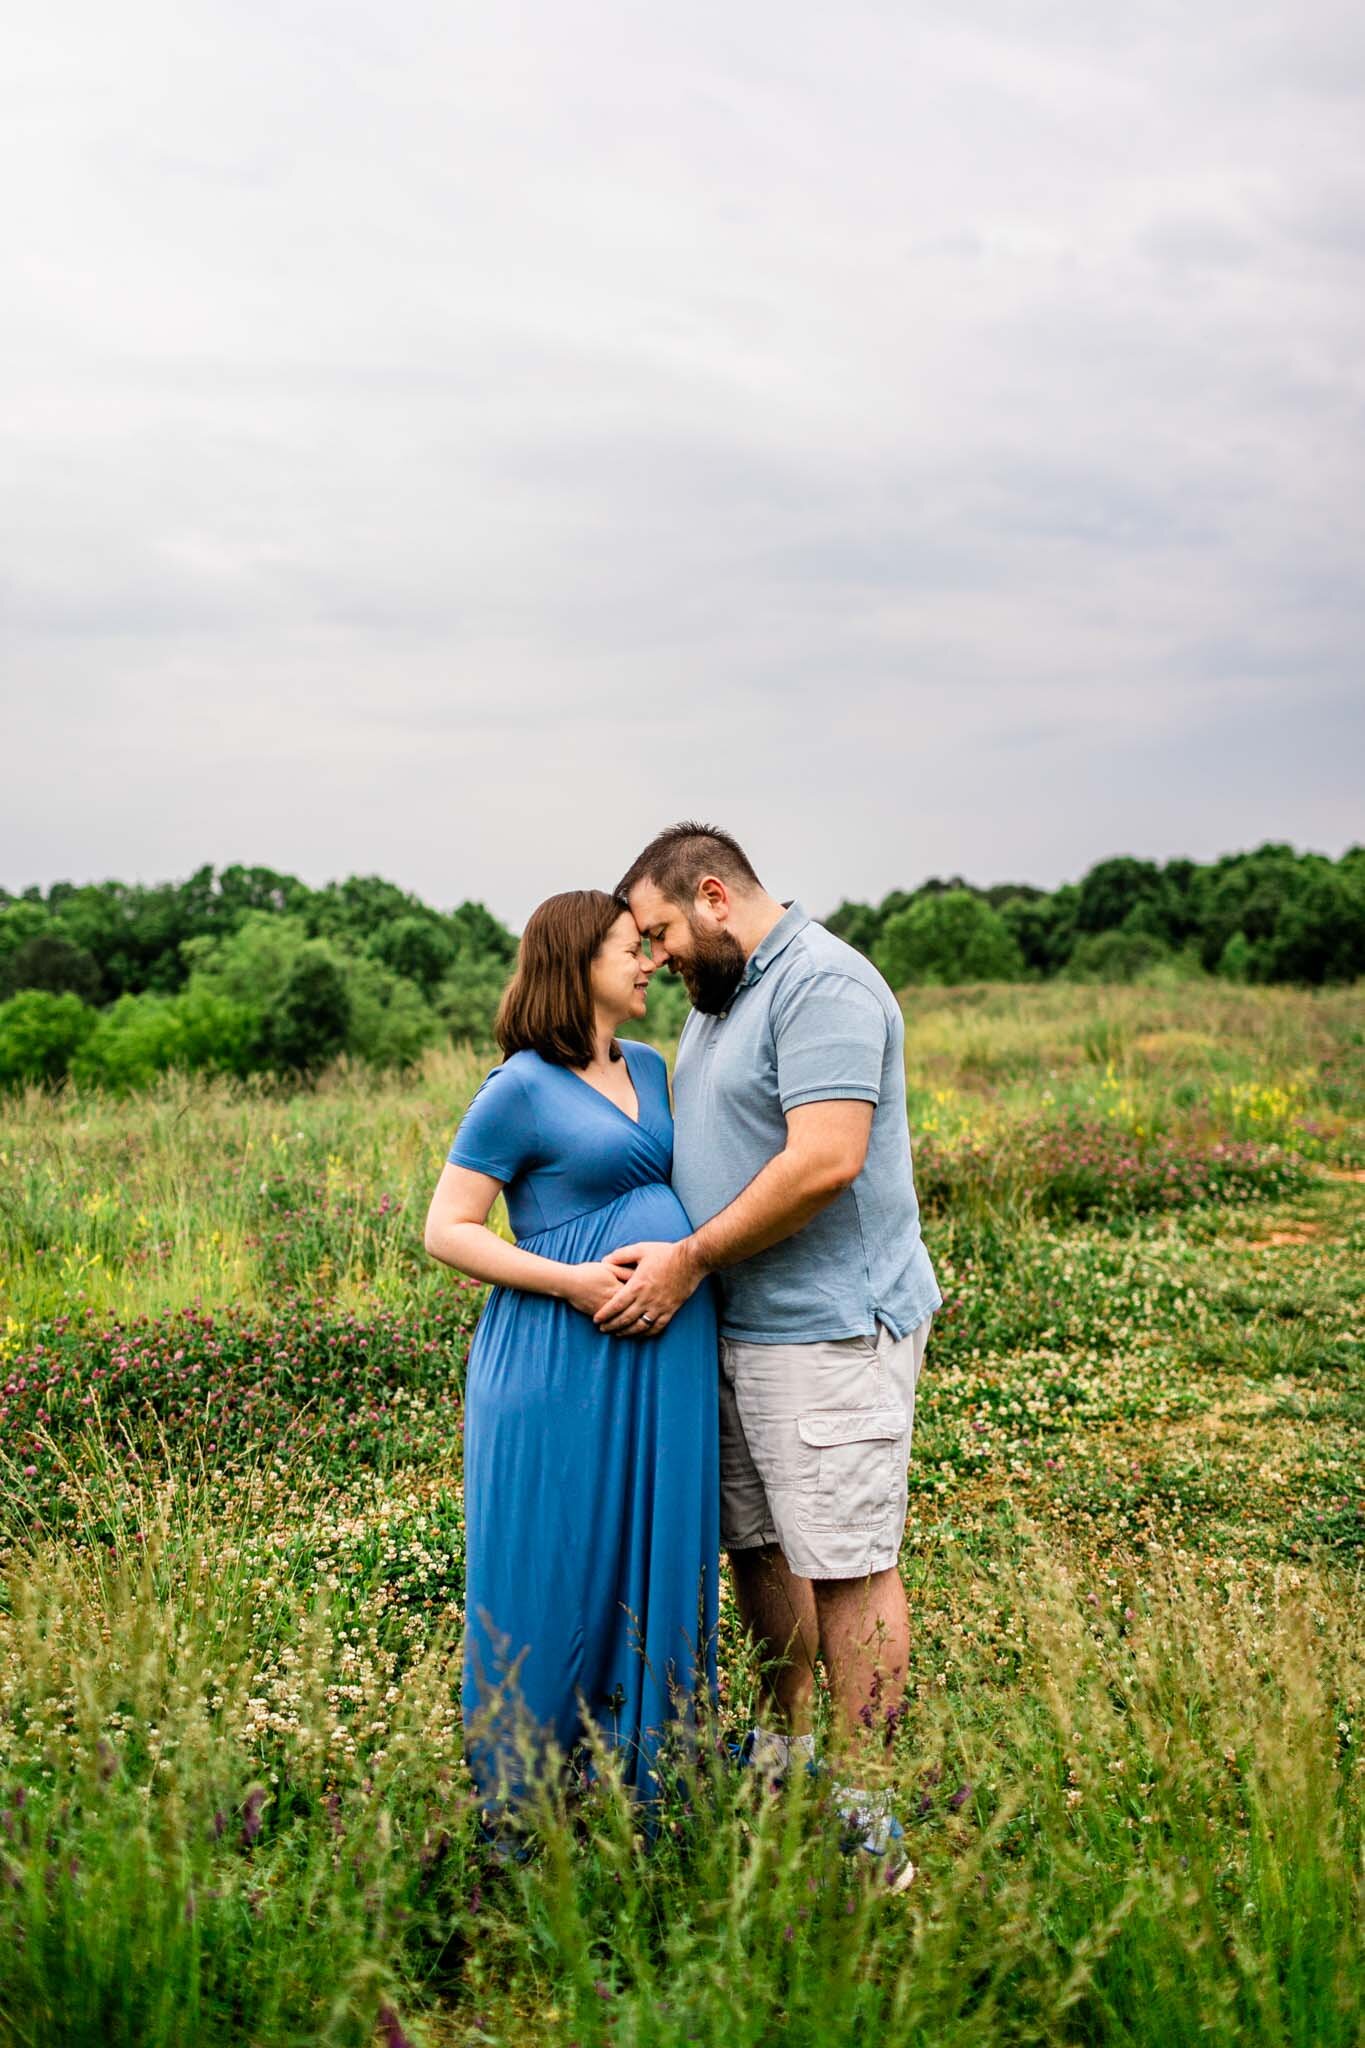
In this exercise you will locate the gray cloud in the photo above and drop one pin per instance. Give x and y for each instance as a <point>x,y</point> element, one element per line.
<point>450,445</point>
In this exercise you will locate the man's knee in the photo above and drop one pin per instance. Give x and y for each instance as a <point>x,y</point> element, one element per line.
<point>873,1593</point>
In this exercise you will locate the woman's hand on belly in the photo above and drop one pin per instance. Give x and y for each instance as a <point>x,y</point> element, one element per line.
<point>592,1285</point>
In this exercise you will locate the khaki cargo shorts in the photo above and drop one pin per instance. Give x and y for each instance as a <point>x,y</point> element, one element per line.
<point>815,1449</point>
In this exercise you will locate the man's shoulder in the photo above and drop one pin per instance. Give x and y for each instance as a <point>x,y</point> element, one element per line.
<point>815,951</point>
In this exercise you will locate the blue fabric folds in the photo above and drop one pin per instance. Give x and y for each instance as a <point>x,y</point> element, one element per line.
<point>591,1470</point>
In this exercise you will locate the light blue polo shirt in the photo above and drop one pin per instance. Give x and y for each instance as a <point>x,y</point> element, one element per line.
<point>811,1021</point>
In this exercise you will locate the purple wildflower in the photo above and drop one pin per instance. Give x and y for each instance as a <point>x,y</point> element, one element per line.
<point>394,2037</point>
<point>251,1814</point>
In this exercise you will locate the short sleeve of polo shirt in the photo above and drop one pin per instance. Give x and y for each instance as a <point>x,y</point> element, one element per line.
<point>497,1133</point>
<point>830,1037</point>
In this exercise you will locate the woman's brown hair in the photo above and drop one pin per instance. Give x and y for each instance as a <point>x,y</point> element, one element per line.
<point>548,1007</point>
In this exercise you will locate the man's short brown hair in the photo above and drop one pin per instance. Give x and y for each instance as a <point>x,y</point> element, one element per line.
<point>676,859</point>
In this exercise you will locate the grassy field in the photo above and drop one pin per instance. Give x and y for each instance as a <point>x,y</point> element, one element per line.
<point>232,1801</point>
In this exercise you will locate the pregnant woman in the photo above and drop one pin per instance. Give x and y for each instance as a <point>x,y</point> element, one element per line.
<point>591,1483</point>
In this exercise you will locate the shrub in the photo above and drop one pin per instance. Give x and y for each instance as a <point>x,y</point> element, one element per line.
<point>139,1037</point>
<point>220,1036</point>
<point>1237,961</point>
<point>1116,956</point>
<point>39,1034</point>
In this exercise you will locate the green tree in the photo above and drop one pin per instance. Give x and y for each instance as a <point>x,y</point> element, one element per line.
<point>858,924</point>
<point>251,964</point>
<point>1043,928</point>
<point>49,961</point>
<point>468,997</point>
<point>951,937</point>
<point>1113,889</point>
<point>354,910</point>
<point>270,963</point>
<point>415,947</point>
<point>242,889</point>
<point>1319,934</point>
<point>307,1020</point>
<point>391,1021</point>
<point>476,931</point>
<point>20,921</point>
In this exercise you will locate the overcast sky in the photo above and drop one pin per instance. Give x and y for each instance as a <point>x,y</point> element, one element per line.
<point>451,442</point>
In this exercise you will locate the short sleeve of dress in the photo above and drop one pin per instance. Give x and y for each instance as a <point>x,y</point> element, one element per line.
<point>497,1133</point>
<point>830,1037</point>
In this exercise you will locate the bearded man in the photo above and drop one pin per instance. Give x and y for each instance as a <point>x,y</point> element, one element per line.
<point>792,1159</point>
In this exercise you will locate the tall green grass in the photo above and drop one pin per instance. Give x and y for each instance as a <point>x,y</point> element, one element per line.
<point>234,1811</point>
<point>233,1805</point>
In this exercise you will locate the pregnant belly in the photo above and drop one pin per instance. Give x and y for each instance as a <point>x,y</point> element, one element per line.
<point>652,1211</point>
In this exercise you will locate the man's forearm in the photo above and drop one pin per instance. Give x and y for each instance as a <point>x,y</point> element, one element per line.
<point>777,1203</point>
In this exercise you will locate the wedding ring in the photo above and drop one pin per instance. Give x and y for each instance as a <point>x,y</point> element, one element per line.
<point>644,1318</point>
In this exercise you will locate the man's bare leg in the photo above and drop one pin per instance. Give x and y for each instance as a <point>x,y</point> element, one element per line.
<point>778,1612</point>
<point>865,1641</point>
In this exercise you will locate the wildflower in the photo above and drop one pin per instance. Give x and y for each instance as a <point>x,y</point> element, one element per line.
<point>251,1814</point>
<point>394,2037</point>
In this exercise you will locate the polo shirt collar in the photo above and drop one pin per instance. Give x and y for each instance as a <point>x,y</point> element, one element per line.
<point>793,920</point>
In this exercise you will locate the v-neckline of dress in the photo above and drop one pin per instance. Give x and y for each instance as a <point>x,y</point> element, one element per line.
<point>636,1122</point>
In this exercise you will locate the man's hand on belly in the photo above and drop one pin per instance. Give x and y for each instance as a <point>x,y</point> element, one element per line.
<point>657,1279</point>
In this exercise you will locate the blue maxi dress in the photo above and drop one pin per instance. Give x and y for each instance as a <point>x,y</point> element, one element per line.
<point>591,1462</point>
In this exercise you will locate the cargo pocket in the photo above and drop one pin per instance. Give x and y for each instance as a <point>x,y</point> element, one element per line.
<point>858,1450</point>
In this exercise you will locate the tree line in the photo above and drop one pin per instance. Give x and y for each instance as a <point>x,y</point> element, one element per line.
<point>1269,916</point>
<point>243,970</point>
<point>237,970</point>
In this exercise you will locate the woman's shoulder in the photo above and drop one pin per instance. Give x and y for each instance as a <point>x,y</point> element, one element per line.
<point>524,1070</point>
<point>511,1076</point>
<point>522,1062</point>
<point>649,1070</point>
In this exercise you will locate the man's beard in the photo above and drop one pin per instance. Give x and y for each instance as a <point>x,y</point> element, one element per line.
<point>714,971</point>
